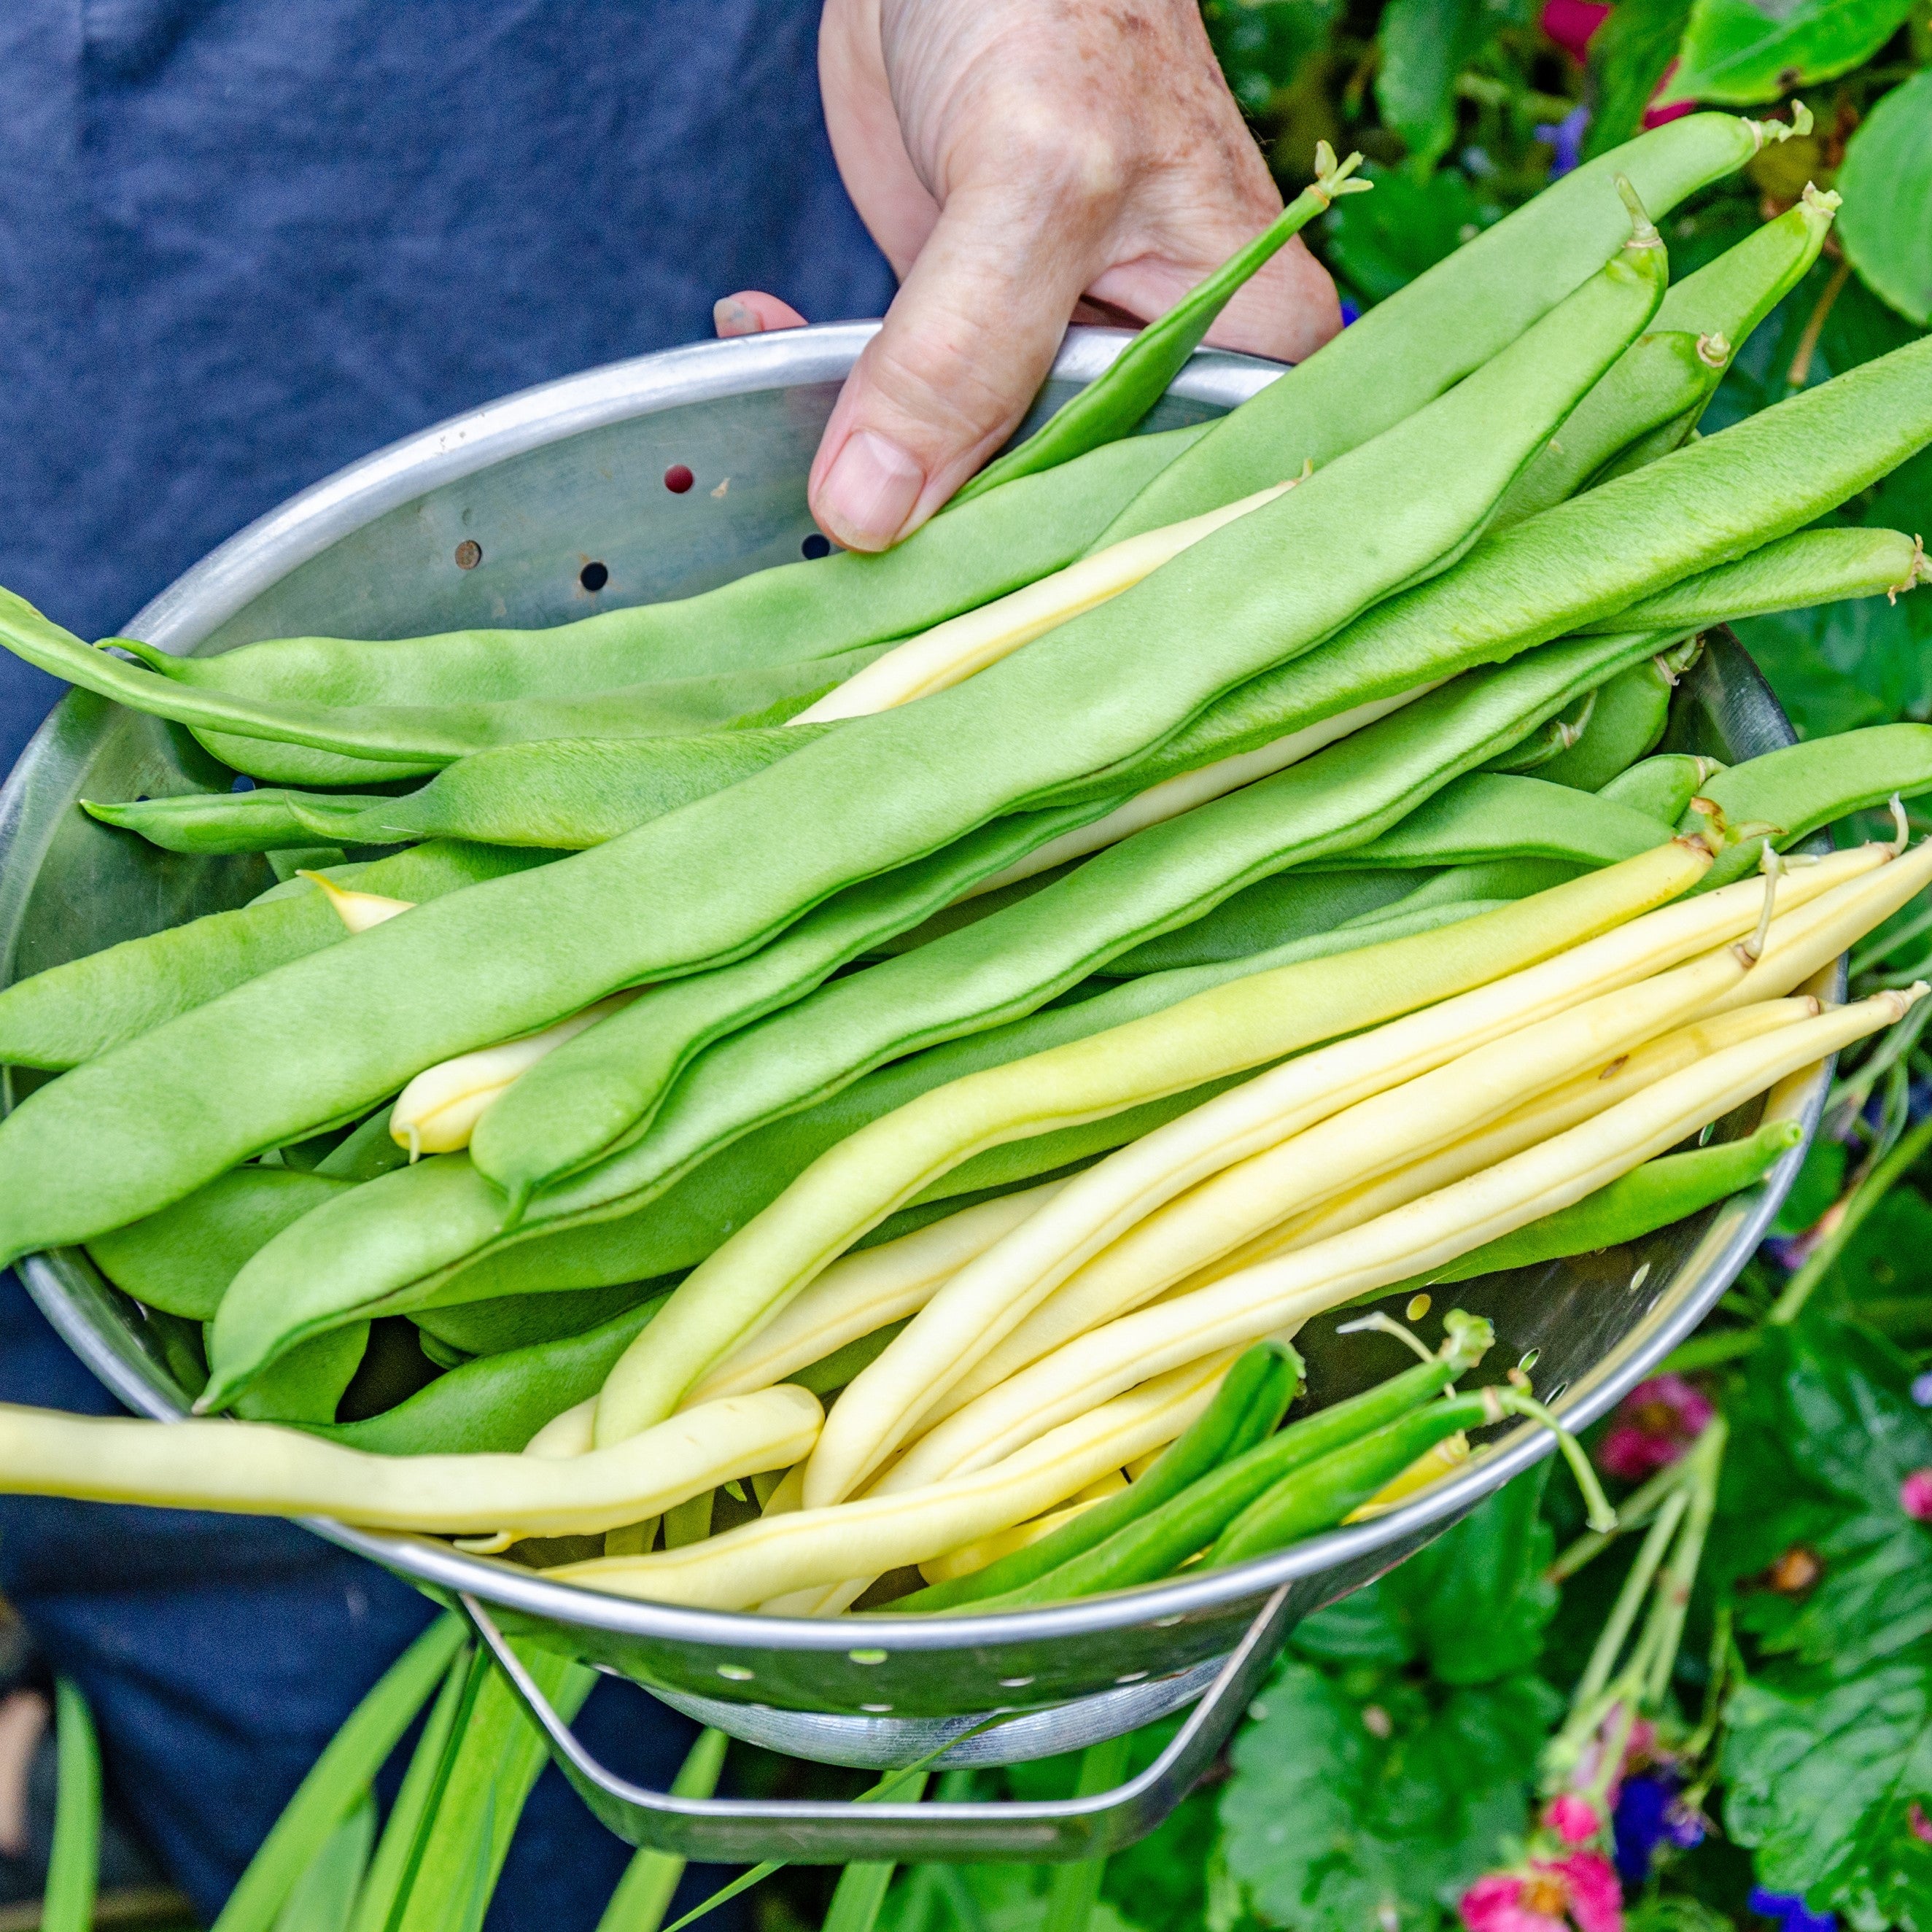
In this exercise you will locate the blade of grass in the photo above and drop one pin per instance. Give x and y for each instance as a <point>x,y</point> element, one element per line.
<point>643,1894</point>
<point>324,1896</point>
<point>377,1898</point>
<point>338,1778</point>
<point>495,1757</point>
<point>860,1893</point>
<point>74,1862</point>
<point>1869,1193</point>
<point>1076,1888</point>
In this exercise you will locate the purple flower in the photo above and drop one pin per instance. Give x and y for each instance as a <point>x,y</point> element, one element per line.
<point>1789,1910</point>
<point>1351,311</point>
<point>1566,136</point>
<point>1649,1813</point>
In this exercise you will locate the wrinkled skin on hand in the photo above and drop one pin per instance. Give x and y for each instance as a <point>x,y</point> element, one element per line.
<point>1021,162</point>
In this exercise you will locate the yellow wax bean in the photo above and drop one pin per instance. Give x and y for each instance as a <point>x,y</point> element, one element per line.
<point>864,1292</point>
<point>359,911</point>
<point>1554,1112</point>
<point>1409,1241</point>
<point>1243,1024</point>
<point>1172,796</point>
<point>1396,1138</point>
<point>952,651</point>
<point>976,1555</point>
<point>254,1468</point>
<point>568,1434</point>
<point>437,1111</point>
<point>804,1548</point>
<point>988,1298</point>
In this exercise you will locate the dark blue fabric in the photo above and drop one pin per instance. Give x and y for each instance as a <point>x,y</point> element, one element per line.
<point>243,242</point>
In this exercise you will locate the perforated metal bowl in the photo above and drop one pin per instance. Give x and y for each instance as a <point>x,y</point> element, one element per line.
<point>499,516</point>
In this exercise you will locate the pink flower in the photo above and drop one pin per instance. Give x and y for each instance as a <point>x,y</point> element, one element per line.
<point>1551,1895</point>
<point>1656,1422</point>
<point>1570,23</point>
<point>1573,1818</point>
<point>1915,1495</point>
<point>1918,1823</point>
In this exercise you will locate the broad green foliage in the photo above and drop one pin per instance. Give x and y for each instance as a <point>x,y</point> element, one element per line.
<point>1827,1431</point>
<point>1628,57</point>
<point>1426,45</point>
<point>1386,1763</point>
<point>1823,1774</point>
<point>1379,242</point>
<point>1739,52</point>
<point>1887,183</point>
<point>1365,1798</point>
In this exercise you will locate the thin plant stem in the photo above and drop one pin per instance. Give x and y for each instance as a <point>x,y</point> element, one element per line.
<point>1680,1574</point>
<point>1870,1191</point>
<point>73,1865</point>
<point>1633,1512</point>
<point>1623,1614</point>
<point>644,1893</point>
<point>1800,371</point>
<point>1076,1888</point>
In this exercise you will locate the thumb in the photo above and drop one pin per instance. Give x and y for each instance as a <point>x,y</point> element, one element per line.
<point>965,347</point>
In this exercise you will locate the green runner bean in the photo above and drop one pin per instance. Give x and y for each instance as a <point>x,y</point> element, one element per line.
<point>521,1321</point>
<point>310,740</point>
<point>1812,567</point>
<point>65,1015</point>
<point>1629,717</point>
<point>498,1401</point>
<point>1111,405</point>
<point>322,1039</point>
<point>773,617</point>
<point>1660,787</point>
<point>308,1384</point>
<point>1786,795</point>
<point>1247,1410</point>
<point>1654,397</point>
<point>1146,1543</point>
<point>1409,348</point>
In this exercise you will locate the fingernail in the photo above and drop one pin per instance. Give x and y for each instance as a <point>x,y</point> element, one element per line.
<point>730,316</point>
<point>869,491</point>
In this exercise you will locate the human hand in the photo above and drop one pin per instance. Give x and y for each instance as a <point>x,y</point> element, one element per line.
<point>1011,157</point>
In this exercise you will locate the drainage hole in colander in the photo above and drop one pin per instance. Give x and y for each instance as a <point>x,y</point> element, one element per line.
<point>866,1656</point>
<point>1014,1683</point>
<point>876,1710</point>
<point>736,1673</point>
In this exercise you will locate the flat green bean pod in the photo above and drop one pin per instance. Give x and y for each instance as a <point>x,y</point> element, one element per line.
<point>1786,795</point>
<point>770,618</point>
<point>1405,351</point>
<point>306,739</point>
<point>64,1014</point>
<point>182,1259</point>
<point>522,1321</point>
<point>1669,374</point>
<point>1629,715</point>
<point>308,1383</point>
<point>1812,567</point>
<point>603,1087</point>
<point>498,1401</point>
<point>1111,405</point>
<point>1660,787</point>
<point>1018,959</point>
<point>323,1040</point>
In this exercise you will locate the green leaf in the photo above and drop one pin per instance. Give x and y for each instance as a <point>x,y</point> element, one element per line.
<point>1837,666</point>
<point>1736,52</point>
<point>338,1778</point>
<point>324,1896</point>
<point>1263,45</point>
<point>1828,1432</point>
<point>1628,54</point>
<point>1472,1606</point>
<point>73,1863</point>
<point>643,1894</point>
<point>1425,45</point>
<point>1886,181</point>
<point>1818,1185</point>
<point>1370,1800</point>
<point>1822,1772</point>
<point>1377,243</point>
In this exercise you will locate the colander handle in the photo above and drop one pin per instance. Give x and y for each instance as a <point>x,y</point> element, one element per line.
<point>739,1830</point>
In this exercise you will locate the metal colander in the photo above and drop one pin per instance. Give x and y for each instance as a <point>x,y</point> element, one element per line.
<point>546,506</point>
